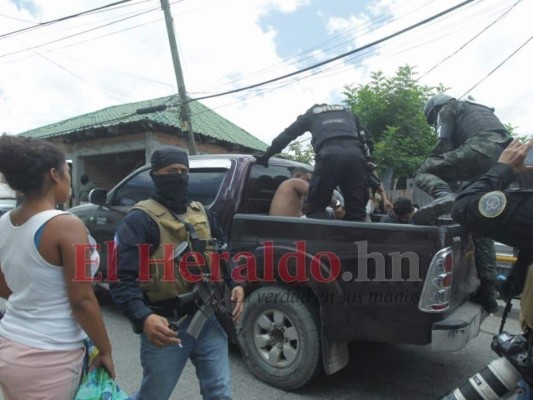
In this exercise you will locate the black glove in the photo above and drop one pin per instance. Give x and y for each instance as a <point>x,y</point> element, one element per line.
<point>262,159</point>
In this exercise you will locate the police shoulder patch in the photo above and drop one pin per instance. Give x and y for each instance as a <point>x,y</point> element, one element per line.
<point>492,204</point>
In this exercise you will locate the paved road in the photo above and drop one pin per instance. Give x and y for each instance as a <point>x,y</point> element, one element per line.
<point>376,371</point>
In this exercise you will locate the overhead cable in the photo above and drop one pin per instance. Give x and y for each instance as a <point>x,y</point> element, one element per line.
<point>77,34</point>
<point>497,67</point>
<point>54,21</point>
<point>505,13</point>
<point>343,55</point>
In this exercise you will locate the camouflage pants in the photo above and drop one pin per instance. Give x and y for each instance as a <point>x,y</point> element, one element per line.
<point>485,258</point>
<point>473,158</point>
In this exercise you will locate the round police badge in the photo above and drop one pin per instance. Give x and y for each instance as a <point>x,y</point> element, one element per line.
<point>492,204</point>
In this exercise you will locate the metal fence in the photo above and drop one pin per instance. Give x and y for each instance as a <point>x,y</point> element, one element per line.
<point>413,193</point>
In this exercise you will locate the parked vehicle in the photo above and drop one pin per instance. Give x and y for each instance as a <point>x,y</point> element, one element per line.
<point>315,285</point>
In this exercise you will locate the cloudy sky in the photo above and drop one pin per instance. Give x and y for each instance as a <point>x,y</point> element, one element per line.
<point>121,55</point>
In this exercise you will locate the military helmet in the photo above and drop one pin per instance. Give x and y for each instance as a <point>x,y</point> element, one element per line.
<point>435,101</point>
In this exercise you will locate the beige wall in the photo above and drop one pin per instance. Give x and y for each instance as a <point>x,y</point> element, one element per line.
<point>108,160</point>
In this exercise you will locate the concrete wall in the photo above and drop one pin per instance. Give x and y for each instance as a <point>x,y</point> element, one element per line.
<point>108,160</point>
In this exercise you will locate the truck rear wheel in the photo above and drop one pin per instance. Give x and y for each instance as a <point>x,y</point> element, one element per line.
<point>280,331</point>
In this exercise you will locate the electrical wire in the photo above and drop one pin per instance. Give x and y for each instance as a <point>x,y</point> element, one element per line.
<point>263,90</point>
<point>502,16</point>
<point>124,95</point>
<point>343,55</point>
<point>92,22</point>
<point>89,30</point>
<point>17,19</point>
<point>54,21</point>
<point>497,67</point>
<point>87,40</point>
<point>330,44</point>
<point>321,75</point>
<point>77,34</point>
<point>359,58</point>
<point>115,70</point>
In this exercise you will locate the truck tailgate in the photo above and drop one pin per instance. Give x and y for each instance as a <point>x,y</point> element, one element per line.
<point>375,294</point>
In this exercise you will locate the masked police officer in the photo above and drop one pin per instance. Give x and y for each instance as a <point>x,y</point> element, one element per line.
<point>151,303</point>
<point>337,137</point>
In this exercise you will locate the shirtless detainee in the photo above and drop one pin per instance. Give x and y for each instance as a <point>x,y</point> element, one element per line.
<point>289,199</point>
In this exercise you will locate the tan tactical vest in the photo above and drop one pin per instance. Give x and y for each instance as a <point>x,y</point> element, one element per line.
<point>172,232</point>
<point>526,302</point>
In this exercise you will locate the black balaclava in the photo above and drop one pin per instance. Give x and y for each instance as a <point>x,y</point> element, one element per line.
<point>171,189</point>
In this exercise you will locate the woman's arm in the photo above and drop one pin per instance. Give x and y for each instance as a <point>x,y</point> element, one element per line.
<point>72,237</point>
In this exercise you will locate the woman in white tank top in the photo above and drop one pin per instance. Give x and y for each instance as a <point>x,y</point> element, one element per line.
<point>50,305</point>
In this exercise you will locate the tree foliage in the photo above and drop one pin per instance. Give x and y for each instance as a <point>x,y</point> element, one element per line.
<point>391,108</point>
<point>300,152</point>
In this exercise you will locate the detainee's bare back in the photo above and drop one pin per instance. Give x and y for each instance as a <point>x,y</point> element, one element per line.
<point>288,200</point>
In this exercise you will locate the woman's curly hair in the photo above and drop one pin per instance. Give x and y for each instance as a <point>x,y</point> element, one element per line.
<point>24,162</point>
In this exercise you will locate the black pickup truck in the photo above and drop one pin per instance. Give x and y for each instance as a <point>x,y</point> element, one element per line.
<point>315,285</point>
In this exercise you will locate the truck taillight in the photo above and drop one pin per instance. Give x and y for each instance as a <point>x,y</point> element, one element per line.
<point>435,295</point>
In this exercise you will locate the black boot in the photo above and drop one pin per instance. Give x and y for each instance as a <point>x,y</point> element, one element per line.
<point>441,205</point>
<point>486,296</point>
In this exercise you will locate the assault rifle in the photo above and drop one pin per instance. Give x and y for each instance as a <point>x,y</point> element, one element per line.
<point>210,300</point>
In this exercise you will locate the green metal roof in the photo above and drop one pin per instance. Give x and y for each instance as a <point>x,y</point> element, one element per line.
<point>204,121</point>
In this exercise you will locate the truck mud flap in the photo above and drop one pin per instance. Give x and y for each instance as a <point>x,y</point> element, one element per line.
<point>461,326</point>
<point>335,354</point>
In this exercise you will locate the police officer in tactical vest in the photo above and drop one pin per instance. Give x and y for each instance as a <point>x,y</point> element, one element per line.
<point>337,139</point>
<point>487,207</point>
<point>151,303</point>
<point>470,140</point>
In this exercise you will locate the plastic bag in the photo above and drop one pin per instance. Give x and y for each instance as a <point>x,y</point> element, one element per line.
<point>97,384</point>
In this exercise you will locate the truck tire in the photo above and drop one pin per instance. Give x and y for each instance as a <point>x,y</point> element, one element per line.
<point>281,333</point>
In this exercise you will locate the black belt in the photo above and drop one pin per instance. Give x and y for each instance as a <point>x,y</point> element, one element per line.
<point>172,309</point>
<point>340,141</point>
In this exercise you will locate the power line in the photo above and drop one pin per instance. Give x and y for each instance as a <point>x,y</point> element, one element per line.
<point>17,19</point>
<point>498,66</point>
<point>507,12</point>
<point>339,57</point>
<point>54,21</point>
<point>330,44</point>
<point>355,60</point>
<point>335,69</point>
<point>111,91</point>
<point>79,33</point>
<point>86,40</point>
<point>115,70</point>
<point>388,37</point>
<point>370,53</point>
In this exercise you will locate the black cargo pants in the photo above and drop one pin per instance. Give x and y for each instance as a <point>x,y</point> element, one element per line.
<point>339,162</point>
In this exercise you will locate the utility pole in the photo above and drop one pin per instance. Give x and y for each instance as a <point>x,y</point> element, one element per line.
<point>185,111</point>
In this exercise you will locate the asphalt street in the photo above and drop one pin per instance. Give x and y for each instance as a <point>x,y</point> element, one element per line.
<point>376,371</point>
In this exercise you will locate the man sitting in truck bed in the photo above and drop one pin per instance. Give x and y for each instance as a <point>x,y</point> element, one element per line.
<point>289,198</point>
